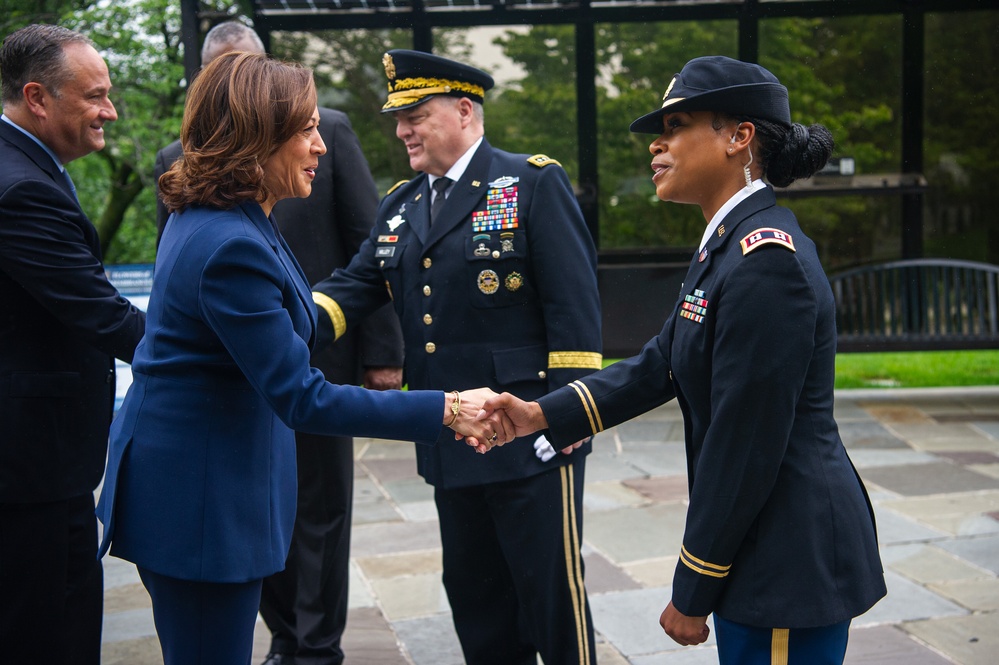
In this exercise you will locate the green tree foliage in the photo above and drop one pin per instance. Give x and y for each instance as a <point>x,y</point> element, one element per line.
<point>961,146</point>
<point>141,42</point>
<point>844,73</point>
<point>140,39</point>
<point>637,61</point>
<point>537,114</point>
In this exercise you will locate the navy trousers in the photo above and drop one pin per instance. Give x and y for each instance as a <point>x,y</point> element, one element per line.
<point>203,623</point>
<point>739,644</point>
<point>513,570</point>
<point>51,582</point>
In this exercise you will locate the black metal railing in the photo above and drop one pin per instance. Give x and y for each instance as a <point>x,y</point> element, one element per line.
<point>918,304</point>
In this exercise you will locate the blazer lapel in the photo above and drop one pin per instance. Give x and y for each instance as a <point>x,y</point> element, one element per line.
<point>283,252</point>
<point>464,196</point>
<point>35,153</point>
<point>701,263</point>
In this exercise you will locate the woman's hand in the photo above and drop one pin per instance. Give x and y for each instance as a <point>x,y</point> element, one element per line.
<point>684,630</point>
<point>519,417</point>
<point>460,414</point>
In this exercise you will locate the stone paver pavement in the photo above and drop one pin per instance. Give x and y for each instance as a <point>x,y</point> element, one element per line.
<point>930,459</point>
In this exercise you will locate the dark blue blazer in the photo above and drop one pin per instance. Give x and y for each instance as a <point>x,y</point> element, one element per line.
<point>324,231</point>
<point>201,479</point>
<point>516,308</point>
<point>779,531</point>
<point>62,324</point>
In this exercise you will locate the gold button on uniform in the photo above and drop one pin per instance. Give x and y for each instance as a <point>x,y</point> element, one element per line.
<point>427,262</point>
<point>542,374</point>
<point>431,347</point>
<point>426,290</point>
<point>428,319</point>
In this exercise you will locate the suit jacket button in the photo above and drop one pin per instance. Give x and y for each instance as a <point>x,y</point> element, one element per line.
<point>542,374</point>
<point>426,290</point>
<point>427,319</point>
<point>427,262</point>
<point>431,347</point>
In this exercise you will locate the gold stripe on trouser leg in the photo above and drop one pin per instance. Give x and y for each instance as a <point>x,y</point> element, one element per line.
<point>573,563</point>
<point>778,646</point>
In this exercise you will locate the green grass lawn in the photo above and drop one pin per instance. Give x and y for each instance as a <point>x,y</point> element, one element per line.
<point>917,369</point>
<point>914,369</point>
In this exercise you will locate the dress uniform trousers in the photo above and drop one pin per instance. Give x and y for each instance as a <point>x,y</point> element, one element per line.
<point>518,539</point>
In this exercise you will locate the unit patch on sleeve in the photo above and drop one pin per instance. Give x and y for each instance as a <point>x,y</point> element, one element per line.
<point>766,236</point>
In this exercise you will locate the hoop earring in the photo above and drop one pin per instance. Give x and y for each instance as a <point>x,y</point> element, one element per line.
<point>745,169</point>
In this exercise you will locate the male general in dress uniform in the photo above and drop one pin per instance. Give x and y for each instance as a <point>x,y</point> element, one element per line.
<point>499,289</point>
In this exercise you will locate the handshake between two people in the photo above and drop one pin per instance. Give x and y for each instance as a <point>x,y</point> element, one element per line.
<point>486,419</point>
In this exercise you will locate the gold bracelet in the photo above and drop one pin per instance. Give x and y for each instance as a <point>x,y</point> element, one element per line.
<point>455,407</point>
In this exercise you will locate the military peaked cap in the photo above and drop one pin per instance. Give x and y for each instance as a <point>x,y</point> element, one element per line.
<point>415,76</point>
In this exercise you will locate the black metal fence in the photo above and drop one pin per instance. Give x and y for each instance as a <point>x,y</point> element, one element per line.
<point>920,304</point>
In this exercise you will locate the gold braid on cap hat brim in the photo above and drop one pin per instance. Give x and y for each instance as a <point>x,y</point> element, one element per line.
<point>411,90</point>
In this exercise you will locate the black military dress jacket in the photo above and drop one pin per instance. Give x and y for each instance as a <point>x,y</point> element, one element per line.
<point>780,531</point>
<point>500,292</point>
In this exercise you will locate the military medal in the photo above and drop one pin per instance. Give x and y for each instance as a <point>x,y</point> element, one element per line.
<point>514,281</point>
<point>501,206</point>
<point>488,282</point>
<point>694,306</point>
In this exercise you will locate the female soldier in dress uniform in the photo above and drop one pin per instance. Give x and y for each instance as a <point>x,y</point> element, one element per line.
<point>780,541</point>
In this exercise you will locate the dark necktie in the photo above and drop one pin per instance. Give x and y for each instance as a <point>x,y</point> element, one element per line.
<point>440,186</point>
<point>69,181</point>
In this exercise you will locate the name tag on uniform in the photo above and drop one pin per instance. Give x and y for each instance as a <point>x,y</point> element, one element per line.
<point>384,252</point>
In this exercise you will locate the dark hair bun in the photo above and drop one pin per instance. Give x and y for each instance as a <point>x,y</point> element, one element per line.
<point>804,152</point>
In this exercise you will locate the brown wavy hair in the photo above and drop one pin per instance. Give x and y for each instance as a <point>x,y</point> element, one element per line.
<point>240,109</point>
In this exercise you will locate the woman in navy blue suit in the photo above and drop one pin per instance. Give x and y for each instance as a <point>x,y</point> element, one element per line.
<point>779,543</point>
<point>201,479</point>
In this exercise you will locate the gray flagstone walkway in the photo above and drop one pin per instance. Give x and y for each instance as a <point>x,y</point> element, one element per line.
<point>930,459</point>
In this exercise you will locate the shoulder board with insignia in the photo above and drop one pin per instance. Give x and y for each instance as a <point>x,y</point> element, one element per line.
<point>766,236</point>
<point>541,160</point>
<point>396,186</point>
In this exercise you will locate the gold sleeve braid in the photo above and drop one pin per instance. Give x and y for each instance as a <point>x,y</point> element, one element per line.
<point>574,360</point>
<point>589,406</point>
<point>702,567</point>
<point>328,305</point>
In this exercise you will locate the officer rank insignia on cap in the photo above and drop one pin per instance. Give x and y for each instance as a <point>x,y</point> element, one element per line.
<point>694,306</point>
<point>415,76</point>
<point>766,236</point>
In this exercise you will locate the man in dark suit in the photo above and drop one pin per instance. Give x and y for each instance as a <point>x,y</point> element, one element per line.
<point>305,606</point>
<point>63,326</point>
<point>492,271</point>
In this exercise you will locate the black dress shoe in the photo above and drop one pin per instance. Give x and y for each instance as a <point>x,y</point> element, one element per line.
<point>279,659</point>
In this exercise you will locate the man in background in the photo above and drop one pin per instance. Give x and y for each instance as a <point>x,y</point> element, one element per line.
<point>305,606</point>
<point>490,266</point>
<point>61,327</point>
